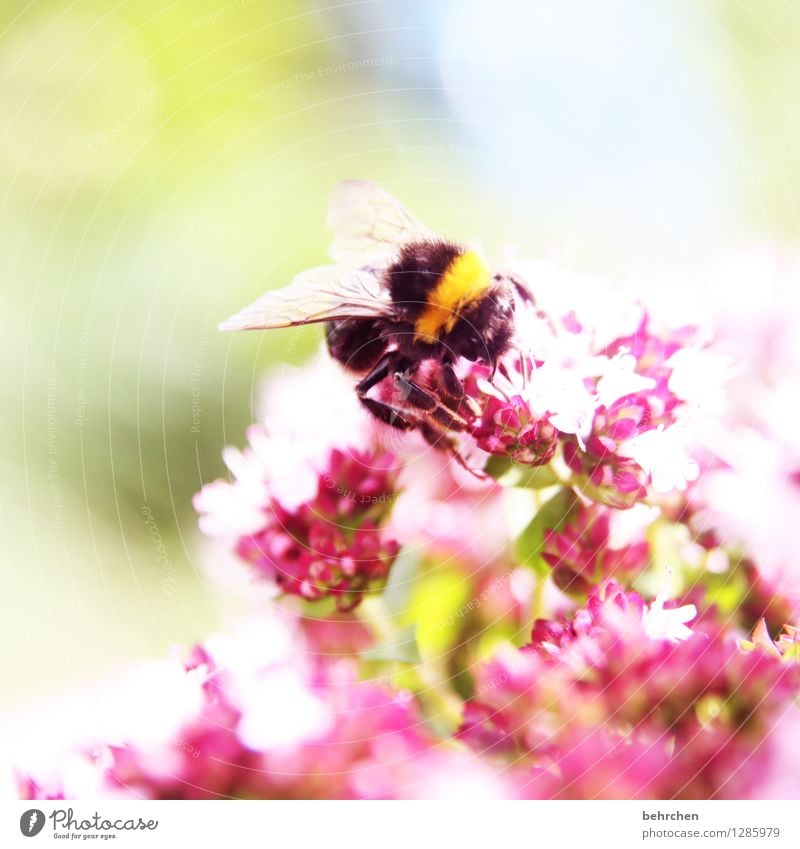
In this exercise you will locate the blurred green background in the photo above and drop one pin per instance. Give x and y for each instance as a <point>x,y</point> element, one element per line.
<point>161,164</point>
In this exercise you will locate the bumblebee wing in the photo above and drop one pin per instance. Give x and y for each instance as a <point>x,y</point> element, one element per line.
<point>325,293</point>
<point>369,225</point>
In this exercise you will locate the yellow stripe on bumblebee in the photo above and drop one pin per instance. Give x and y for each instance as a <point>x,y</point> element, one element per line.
<point>464,281</point>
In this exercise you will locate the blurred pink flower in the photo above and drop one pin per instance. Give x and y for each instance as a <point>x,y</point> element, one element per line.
<point>611,478</point>
<point>595,763</point>
<point>777,758</point>
<point>685,709</point>
<point>264,717</point>
<point>437,500</point>
<point>753,502</point>
<point>581,554</point>
<point>751,496</point>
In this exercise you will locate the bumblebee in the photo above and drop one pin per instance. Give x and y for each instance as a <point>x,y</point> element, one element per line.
<point>402,306</point>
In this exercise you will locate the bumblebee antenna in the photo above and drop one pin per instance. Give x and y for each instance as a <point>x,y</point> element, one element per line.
<point>522,289</point>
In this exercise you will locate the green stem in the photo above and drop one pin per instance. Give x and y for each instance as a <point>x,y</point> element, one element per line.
<point>372,612</point>
<point>538,596</point>
<point>446,707</point>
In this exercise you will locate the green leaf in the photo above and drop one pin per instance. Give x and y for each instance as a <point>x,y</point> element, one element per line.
<point>553,514</point>
<point>397,592</point>
<point>438,605</point>
<point>505,471</point>
<point>402,648</point>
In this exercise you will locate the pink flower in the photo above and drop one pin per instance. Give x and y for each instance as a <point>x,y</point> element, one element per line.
<point>610,477</point>
<point>633,440</point>
<point>595,763</point>
<point>680,712</point>
<point>328,545</point>
<point>581,553</point>
<point>628,448</point>
<point>775,760</point>
<point>264,717</point>
<point>652,352</point>
<point>438,499</point>
<point>508,424</point>
<point>507,428</point>
<point>752,502</point>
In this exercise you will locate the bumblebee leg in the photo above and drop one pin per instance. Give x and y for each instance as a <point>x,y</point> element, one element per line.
<point>387,413</point>
<point>453,393</point>
<point>438,438</point>
<point>428,402</point>
<point>452,386</point>
<point>412,393</point>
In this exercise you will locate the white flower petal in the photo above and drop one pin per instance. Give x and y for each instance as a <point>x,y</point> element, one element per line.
<point>661,624</point>
<point>563,393</point>
<point>620,379</point>
<point>662,453</point>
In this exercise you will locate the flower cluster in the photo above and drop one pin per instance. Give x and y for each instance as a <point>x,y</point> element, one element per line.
<point>507,425</point>
<point>260,715</point>
<point>331,544</point>
<point>550,602</point>
<point>661,708</point>
<point>612,409</point>
<point>583,553</point>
